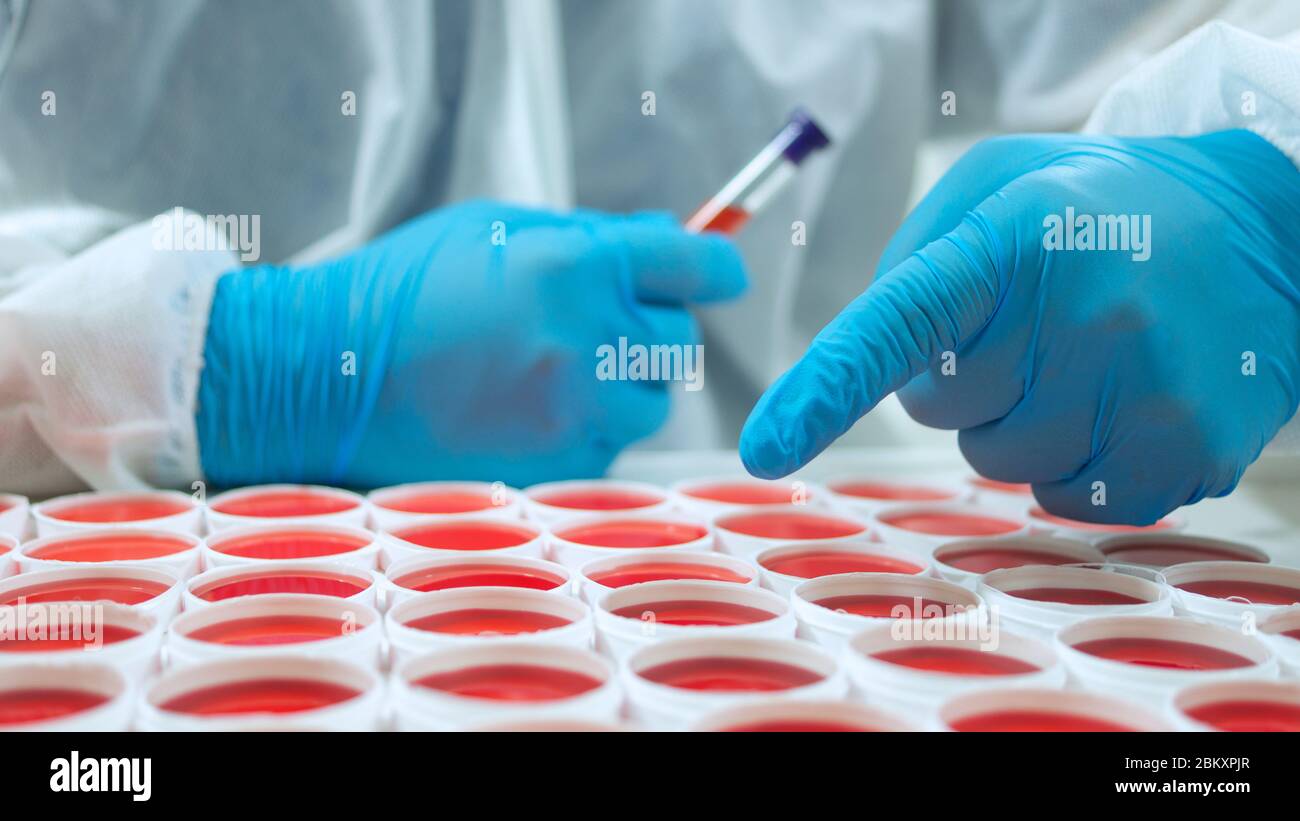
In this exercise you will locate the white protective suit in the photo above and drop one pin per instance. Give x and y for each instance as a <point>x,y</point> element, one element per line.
<point>113,112</point>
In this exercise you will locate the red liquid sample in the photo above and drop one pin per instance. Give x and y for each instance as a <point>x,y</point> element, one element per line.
<point>891,492</point>
<point>1164,653</point>
<point>958,661</point>
<point>27,706</point>
<point>813,564</point>
<point>634,533</point>
<point>1043,515</point>
<point>467,535</point>
<point>1295,634</point>
<point>1249,716</point>
<point>1166,554</point>
<point>881,605</point>
<point>318,583</point>
<point>482,621</point>
<point>112,548</point>
<point>730,674</point>
<point>1074,595</point>
<point>599,498</point>
<point>512,682</point>
<point>665,571</point>
<point>1254,592</point>
<point>68,639</point>
<point>797,725</point>
<point>952,524</point>
<point>261,631</point>
<point>1003,487</point>
<point>267,695</point>
<point>787,525</point>
<point>696,613</point>
<point>119,510</point>
<point>123,590</point>
<point>729,220</point>
<point>984,560</point>
<point>478,575</point>
<point>290,544</point>
<point>744,493</point>
<point>440,501</point>
<point>1036,721</point>
<point>278,504</point>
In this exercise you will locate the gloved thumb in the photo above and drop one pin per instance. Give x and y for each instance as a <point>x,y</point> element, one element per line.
<point>927,304</point>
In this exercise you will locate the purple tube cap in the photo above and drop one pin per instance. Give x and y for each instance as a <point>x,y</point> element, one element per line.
<point>802,136</point>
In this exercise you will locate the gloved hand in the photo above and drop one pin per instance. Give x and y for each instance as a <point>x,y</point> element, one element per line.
<point>1074,367</point>
<point>437,353</point>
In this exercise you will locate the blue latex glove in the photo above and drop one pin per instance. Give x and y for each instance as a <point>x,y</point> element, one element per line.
<point>1074,366</point>
<point>472,359</point>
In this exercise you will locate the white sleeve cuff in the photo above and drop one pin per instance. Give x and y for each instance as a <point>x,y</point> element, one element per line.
<point>102,357</point>
<point>1217,77</point>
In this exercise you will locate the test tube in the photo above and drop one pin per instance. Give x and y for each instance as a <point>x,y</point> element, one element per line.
<point>728,210</point>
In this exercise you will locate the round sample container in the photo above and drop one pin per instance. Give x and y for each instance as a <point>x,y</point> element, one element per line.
<point>599,576</point>
<point>76,697</point>
<point>402,505</point>
<point>148,589</point>
<point>802,717</point>
<point>136,510</point>
<point>1282,632</point>
<point>13,515</point>
<point>865,494</point>
<point>928,527</point>
<point>632,617</point>
<point>463,687</point>
<point>785,567</point>
<point>478,615</point>
<point>287,505</point>
<point>914,675</point>
<point>1007,496</point>
<point>1239,707</point>
<point>411,577</point>
<point>1161,550</point>
<point>673,684</point>
<point>274,625</point>
<point>304,543</point>
<point>61,633</point>
<point>177,553</point>
<point>1234,594</point>
<point>706,497</point>
<point>271,692</point>
<point>833,608</point>
<point>749,531</point>
<point>1045,522</point>
<point>574,542</point>
<point>465,537</point>
<point>1038,600</point>
<point>1148,658</point>
<point>552,501</point>
<point>272,577</point>
<point>1046,711</point>
<point>966,560</point>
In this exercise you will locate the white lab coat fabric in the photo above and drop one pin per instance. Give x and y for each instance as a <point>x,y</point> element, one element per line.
<point>237,108</point>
